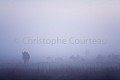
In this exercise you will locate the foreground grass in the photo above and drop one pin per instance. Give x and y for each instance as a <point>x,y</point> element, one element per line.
<point>63,73</point>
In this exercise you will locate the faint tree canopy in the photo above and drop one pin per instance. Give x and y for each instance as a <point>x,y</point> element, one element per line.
<point>25,57</point>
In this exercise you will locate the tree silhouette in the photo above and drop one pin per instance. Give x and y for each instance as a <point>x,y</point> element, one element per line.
<point>26,57</point>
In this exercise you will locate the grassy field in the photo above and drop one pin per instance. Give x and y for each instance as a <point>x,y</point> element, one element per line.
<point>63,72</point>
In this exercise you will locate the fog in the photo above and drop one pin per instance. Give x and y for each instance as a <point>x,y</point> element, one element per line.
<point>24,23</point>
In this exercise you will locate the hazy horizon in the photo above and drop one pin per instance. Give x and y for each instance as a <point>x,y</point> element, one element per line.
<point>88,19</point>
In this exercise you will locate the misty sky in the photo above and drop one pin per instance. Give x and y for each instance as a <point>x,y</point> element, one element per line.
<point>95,19</point>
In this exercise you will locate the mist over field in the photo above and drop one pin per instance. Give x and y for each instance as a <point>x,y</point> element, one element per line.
<point>59,40</point>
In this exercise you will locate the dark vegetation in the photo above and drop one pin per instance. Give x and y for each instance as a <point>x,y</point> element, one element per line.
<point>75,71</point>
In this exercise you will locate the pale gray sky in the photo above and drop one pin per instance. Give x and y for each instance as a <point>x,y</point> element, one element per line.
<point>51,19</point>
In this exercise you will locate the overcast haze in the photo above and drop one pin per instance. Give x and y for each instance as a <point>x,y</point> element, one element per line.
<point>63,19</point>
